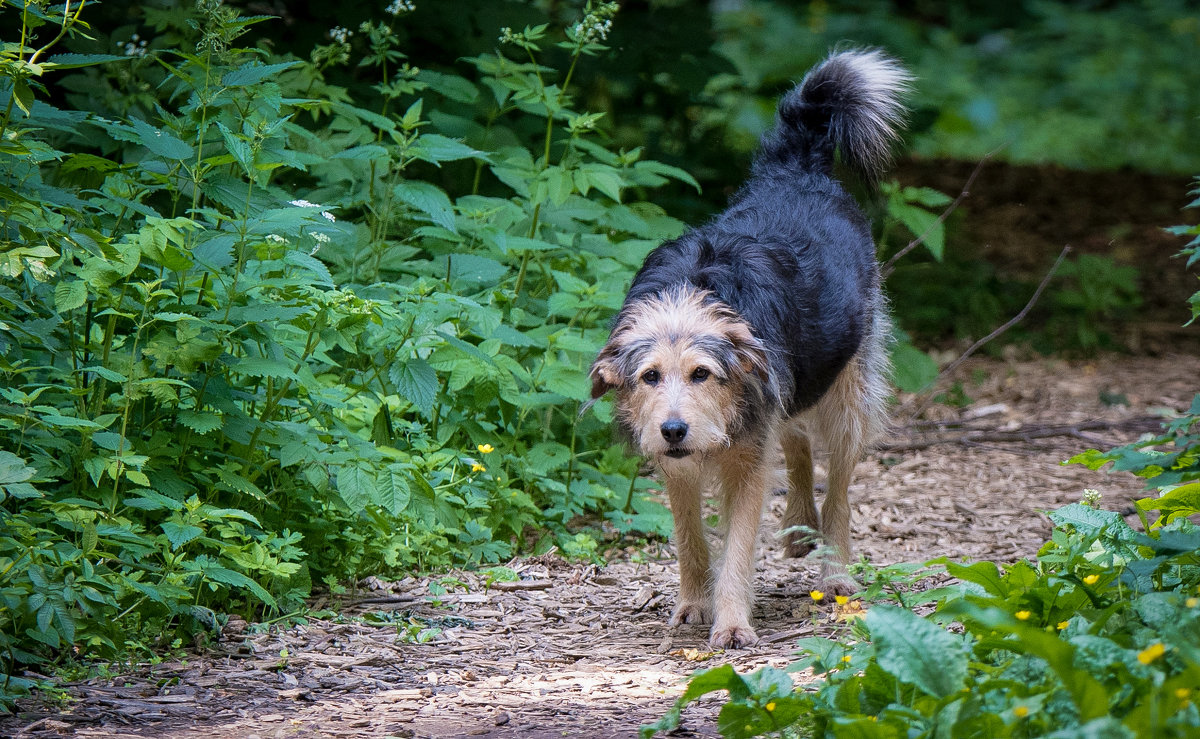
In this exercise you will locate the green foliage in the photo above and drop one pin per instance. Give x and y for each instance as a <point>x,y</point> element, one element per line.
<point>1048,82</point>
<point>1166,460</point>
<point>256,331</point>
<point>1097,636</point>
<point>1191,251</point>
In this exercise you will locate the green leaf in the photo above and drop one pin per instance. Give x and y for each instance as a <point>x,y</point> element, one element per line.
<point>163,143</point>
<point>428,199</point>
<point>435,148</point>
<point>69,295</point>
<point>13,469</point>
<point>74,61</point>
<point>547,456</point>
<point>264,367</point>
<point>921,223</point>
<point>391,490</point>
<point>917,651</point>
<point>417,382</point>
<point>180,534</point>
<point>912,369</point>
<point>250,75</point>
<point>201,423</point>
<point>356,486</point>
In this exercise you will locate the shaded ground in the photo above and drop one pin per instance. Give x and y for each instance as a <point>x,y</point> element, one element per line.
<point>579,650</point>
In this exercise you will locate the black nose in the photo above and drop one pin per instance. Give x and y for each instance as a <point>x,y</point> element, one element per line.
<point>674,431</point>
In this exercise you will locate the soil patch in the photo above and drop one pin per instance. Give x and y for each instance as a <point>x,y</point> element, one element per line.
<point>576,649</point>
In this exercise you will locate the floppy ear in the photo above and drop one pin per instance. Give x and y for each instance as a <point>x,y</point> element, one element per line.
<point>604,372</point>
<point>751,354</point>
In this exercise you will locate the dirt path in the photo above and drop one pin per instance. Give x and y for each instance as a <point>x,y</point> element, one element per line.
<point>579,650</point>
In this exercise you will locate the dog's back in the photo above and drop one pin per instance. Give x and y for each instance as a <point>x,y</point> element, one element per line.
<point>793,253</point>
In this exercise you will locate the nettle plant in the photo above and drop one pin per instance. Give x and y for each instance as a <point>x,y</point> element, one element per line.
<point>254,331</point>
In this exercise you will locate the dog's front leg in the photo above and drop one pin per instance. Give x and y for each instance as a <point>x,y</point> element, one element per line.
<point>744,479</point>
<point>695,600</point>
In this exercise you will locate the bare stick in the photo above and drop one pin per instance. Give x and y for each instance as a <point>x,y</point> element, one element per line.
<point>890,264</point>
<point>1026,433</point>
<point>928,394</point>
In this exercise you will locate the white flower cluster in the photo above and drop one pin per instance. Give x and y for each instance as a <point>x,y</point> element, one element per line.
<point>135,46</point>
<point>507,35</point>
<point>596,25</point>
<point>340,34</point>
<point>400,6</point>
<point>592,29</point>
<point>276,239</point>
<point>1091,497</point>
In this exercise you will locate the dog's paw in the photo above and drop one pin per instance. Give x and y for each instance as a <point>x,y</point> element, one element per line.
<point>734,636</point>
<point>691,613</point>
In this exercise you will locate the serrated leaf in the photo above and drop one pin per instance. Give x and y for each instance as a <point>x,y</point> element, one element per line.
<point>417,382</point>
<point>428,199</point>
<point>547,456</point>
<point>391,490</point>
<point>356,486</point>
<point>74,61</point>
<point>70,295</point>
<point>163,143</point>
<point>264,367</point>
<point>917,651</point>
<point>180,534</point>
<point>201,423</point>
<point>250,75</point>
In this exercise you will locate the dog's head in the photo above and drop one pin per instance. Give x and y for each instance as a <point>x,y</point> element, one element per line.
<point>688,372</point>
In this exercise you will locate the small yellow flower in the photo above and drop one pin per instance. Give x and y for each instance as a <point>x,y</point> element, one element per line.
<point>816,595</point>
<point>476,467</point>
<point>770,706</point>
<point>1182,693</point>
<point>842,599</point>
<point>1024,615</point>
<point>1192,602</point>
<point>1151,653</point>
<point>847,658</point>
<point>1063,624</point>
<point>485,448</point>
<point>1021,711</point>
<point>1091,579</point>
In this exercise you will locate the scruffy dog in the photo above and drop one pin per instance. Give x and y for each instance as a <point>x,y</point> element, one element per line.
<point>758,329</point>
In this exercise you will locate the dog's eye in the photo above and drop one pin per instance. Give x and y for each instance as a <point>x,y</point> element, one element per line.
<point>700,374</point>
<point>650,377</point>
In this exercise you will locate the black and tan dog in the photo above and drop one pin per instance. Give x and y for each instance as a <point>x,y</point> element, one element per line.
<point>759,329</point>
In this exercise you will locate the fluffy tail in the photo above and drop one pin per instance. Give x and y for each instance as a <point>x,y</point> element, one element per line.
<point>850,102</point>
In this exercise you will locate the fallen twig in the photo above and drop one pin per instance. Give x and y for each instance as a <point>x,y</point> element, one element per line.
<point>927,395</point>
<point>1022,433</point>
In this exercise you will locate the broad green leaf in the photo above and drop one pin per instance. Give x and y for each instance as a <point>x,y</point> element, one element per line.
<point>917,651</point>
<point>356,486</point>
<point>417,382</point>
<point>201,423</point>
<point>69,295</point>
<point>391,490</point>
<point>428,199</point>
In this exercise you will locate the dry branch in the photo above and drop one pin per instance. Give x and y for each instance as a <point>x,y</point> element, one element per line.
<point>1028,433</point>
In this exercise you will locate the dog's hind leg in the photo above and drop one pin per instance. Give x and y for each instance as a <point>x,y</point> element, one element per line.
<point>801,508</point>
<point>695,600</point>
<point>745,477</point>
<point>849,416</point>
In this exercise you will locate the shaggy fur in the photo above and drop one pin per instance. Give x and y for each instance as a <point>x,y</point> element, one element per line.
<point>758,330</point>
